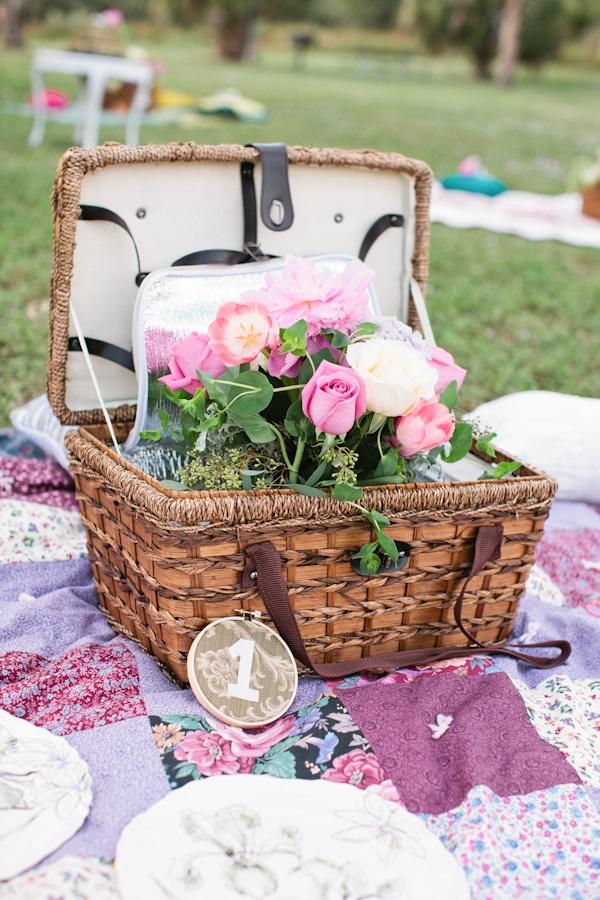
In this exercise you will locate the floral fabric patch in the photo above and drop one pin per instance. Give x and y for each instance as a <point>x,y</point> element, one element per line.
<point>33,532</point>
<point>319,741</point>
<point>475,665</point>
<point>566,713</point>
<point>70,878</point>
<point>437,738</point>
<point>571,558</point>
<point>542,845</point>
<point>89,686</point>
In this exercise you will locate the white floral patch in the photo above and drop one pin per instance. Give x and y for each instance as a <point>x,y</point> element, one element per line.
<point>541,586</point>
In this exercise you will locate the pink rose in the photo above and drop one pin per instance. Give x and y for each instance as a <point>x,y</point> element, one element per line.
<point>189,355</point>
<point>446,368</point>
<point>240,331</point>
<point>428,425</point>
<point>334,398</point>
<point>251,744</point>
<point>211,754</point>
<point>358,768</point>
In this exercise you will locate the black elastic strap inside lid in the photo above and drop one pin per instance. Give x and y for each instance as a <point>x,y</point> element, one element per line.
<point>275,191</point>
<point>105,350</point>
<point>390,220</point>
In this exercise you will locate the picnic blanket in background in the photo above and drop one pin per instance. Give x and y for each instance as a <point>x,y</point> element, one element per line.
<point>537,217</point>
<point>500,762</point>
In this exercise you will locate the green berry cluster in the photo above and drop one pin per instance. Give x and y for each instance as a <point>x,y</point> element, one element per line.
<point>224,470</point>
<point>343,461</point>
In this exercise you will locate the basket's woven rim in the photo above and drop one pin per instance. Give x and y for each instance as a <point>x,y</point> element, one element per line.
<point>198,509</point>
<point>77,162</point>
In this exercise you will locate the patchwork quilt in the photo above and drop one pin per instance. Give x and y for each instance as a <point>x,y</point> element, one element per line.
<point>501,762</point>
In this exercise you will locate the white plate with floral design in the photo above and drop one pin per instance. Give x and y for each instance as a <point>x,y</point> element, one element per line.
<point>254,836</point>
<point>45,794</point>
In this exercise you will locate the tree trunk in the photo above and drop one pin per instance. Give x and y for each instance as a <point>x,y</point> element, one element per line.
<point>11,20</point>
<point>508,40</point>
<point>482,68</point>
<point>236,30</point>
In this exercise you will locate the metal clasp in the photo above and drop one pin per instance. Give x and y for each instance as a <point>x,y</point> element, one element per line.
<point>249,614</point>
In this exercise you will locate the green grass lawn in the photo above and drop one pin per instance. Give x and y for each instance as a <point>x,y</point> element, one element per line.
<point>518,314</point>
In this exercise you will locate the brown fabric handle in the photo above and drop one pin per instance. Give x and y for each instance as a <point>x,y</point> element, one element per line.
<point>263,570</point>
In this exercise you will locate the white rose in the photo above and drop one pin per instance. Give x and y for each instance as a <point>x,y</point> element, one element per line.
<point>396,376</point>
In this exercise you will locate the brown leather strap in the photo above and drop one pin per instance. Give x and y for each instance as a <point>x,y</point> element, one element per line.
<point>263,570</point>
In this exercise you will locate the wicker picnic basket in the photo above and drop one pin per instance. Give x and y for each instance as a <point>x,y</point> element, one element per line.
<point>168,563</point>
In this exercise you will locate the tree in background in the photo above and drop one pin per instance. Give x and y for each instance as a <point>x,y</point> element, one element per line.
<point>10,22</point>
<point>508,40</point>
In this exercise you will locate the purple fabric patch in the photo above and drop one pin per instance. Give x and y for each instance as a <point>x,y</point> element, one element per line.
<point>38,480</point>
<point>489,741</point>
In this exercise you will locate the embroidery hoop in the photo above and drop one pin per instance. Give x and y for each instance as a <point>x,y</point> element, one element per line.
<point>249,619</point>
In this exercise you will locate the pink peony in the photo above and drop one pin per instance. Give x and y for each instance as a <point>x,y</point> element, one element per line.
<point>189,355</point>
<point>334,398</point>
<point>211,753</point>
<point>358,768</point>
<point>324,299</point>
<point>251,744</point>
<point>288,365</point>
<point>240,331</point>
<point>446,368</point>
<point>429,425</point>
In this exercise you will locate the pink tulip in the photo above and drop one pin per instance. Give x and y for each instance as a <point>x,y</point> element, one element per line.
<point>429,425</point>
<point>448,371</point>
<point>240,331</point>
<point>189,355</point>
<point>334,398</point>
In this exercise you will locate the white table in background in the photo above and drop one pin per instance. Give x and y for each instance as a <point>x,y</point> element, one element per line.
<point>98,71</point>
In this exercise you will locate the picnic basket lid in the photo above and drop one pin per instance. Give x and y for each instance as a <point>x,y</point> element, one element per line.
<point>178,198</point>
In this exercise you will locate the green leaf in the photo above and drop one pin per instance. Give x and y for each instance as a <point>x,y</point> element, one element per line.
<point>366,329</point>
<point>501,470</point>
<point>376,519</point>
<point>460,442</point>
<point>377,422</point>
<point>296,422</point>
<point>173,485</point>
<point>484,443</point>
<point>338,339</point>
<point>388,546</point>
<point>346,492</point>
<point>449,396</point>
<point>388,464</point>
<point>386,479</point>
<point>165,419</point>
<point>306,489</point>
<point>188,723</point>
<point>196,405</point>
<point>258,429</point>
<point>247,481</point>
<point>370,565</point>
<point>318,474</point>
<point>293,339</point>
<point>154,434</point>
<point>306,372</point>
<point>252,392</point>
<point>366,550</point>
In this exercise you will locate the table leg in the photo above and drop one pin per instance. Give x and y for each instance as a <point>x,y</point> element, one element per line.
<point>139,105</point>
<point>40,112</point>
<point>92,107</point>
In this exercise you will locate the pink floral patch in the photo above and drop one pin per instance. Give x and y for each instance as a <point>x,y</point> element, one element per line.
<point>571,558</point>
<point>358,768</point>
<point>477,665</point>
<point>211,753</point>
<point>37,480</point>
<point>84,688</point>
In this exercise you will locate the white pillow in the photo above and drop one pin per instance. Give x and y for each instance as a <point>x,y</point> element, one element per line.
<point>559,433</point>
<point>37,422</point>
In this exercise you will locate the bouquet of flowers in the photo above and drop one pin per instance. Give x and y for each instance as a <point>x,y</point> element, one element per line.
<point>298,386</point>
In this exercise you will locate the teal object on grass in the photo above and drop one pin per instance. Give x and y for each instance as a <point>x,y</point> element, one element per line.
<point>476,184</point>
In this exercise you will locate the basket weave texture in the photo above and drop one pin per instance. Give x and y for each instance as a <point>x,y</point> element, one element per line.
<point>166,563</point>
